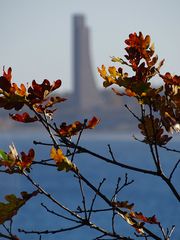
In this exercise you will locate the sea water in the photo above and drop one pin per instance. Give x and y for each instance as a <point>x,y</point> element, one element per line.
<point>149,194</point>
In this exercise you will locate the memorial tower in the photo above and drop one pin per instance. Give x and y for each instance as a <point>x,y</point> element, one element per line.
<point>86,94</point>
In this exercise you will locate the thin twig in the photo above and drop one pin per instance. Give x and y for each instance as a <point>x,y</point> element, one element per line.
<point>155,138</point>
<point>113,220</point>
<point>78,139</point>
<point>93,200</point>
<point>111,153</point>
<point>175,167</point>
<point>51,231</point>
<point>116,190</point>
<point>171,231</point>
<point>49,131</point>
<point>79,210</point>
<point>83,198</point>
<point>169,149</point>
<point>126,106</point>
<point>59,215</point>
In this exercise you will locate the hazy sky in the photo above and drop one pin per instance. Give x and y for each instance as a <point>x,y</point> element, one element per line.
<point>36,35</point>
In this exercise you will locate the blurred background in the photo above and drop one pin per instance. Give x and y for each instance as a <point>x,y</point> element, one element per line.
<point>39,40</point>
<point>36,36</point>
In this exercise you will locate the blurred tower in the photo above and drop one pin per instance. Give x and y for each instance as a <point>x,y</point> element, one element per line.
<point>86,94</point>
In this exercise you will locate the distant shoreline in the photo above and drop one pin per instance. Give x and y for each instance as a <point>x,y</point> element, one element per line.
<point>97,135</point>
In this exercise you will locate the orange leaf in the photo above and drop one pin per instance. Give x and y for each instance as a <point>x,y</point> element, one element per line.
<point>93,122</point>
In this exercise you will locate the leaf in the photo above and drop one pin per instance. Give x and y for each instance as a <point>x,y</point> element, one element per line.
<point>141,217</point>
<point>92,123</point>
<point>112,71</point>
<point>56,84</point>
<point>54,100</point>
<point>5,85</point>
<point>39,92</point>
<point>73,129</point>
<point>25,118</point>
<point>152,130</point>
<point>57,155</point>
<point>7,159</point>
<point>118,59</point>
<point>15,163</point>
<point>8,74</point>
<point>26,159</point>
<point>123,204</point>
<point>3,155</point>
<point>62,162</point>
<point>129,219</point>
<point>20,91</point>
<point>102,71</point>
<point>171,79</point>
<point>10,208</point>
<point>13,154</point>
<point>140,49</point>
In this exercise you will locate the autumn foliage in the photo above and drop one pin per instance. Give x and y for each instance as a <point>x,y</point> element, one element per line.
<point>159,117</point>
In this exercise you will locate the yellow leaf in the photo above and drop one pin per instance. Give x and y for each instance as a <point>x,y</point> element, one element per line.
<point>116,59</point>
<point>102,71</point>
<point>62,162</point>
<point>112,71</point>
<point>57,155</point>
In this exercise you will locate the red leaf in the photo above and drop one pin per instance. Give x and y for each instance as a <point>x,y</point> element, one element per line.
<point>5,85</point>
<point>26,159</point>
<point>38,92</point>
<point>8,74</point>
<point>170,79</point>
<point>72,129</point>
<point>141,217</point>
<point>25,117</point>
<point>56,85</point>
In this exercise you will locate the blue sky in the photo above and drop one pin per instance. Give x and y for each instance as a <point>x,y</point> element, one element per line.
<point>36,35</point>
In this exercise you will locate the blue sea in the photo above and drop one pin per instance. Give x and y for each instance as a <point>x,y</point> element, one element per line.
<point>149,194</point>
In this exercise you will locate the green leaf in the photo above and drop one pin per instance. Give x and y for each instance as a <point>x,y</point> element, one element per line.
<point>3,155</point>
<point>13,204</point>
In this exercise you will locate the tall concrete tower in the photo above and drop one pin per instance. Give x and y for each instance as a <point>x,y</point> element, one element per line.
<point>86,94</point>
